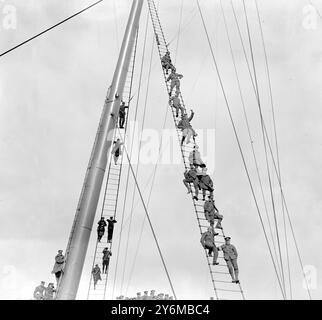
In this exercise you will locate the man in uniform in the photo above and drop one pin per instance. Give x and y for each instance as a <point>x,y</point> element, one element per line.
<point>230,256</point>
<point>101,229</point>
<point>208,242</point>
<point>116,151</point>
<point>176,104</point>
<point>212,213</point>
<point>49,293</point>
<point>39,292</point>
<point>122,114</point>
<point>59,265</point>
<point>190,176</point>
<point>175,81</point>
<point>110,229</point>
<point>185,126</point>
<point>195,158</point>
<point>205,183</point>
<point>96,272</point>
<point>106,259</point>
<point>166,62</point>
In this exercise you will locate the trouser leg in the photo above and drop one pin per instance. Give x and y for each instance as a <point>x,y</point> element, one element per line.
<point>189,134</point>
<point>215,254</point>
<point>187,184</point>
<point>110,234</point>
<point>218,225</point>
<point>122,120</point>
<point>235,266</point>
<point>182,140</point>
<point>195,184</point>
<point>210,249</point>
<point>230,269</point>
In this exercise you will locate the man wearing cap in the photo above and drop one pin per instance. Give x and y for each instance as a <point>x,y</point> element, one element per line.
<point>110,229</point>
<point>96,272</point>
<point>106,259</point>
<point>230,256</point>
<point>195,158</point>
<point>175,102</point>
<point>166,62</point>
<point>138,296</point>
<point>49,293</point>
<point>145,296</point>
<point>101,229</point>
<point>152,294</point>
<point>39,291</point>
<point>212,213</point>
<point>122,114</point>
<point>205,183</point>
<point>59,265</point>
<point>208,242</point>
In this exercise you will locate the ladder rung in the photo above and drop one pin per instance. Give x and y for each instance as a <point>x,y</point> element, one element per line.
<point>220,289</point>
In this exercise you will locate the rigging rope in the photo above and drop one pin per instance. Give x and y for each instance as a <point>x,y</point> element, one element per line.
<point>140,143</point>
<point>50,28</point>
<point>265,148</point>
<point>127,181</point>
<point>237,139</point>
<point>150,223</point>
<point>248,128</point>
<point>276,142</point>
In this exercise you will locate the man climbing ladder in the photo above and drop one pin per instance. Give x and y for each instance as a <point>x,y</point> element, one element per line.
<point>203,181</point>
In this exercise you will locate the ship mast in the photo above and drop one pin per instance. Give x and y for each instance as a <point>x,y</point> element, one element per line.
<point>86,209</point>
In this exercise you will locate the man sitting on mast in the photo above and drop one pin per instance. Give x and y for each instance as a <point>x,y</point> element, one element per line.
<point>101,229</point>
<point>59,265</point>
<point>122,114</point>
<point>96,272</point>
<point>185,126</point>
<point>166,62</point>
<point>208,242</point>
<point>176,104</point>
<point>205,183</point>
<point>212,213</point>
<point>175,80</point>
<point>106,259</point>
<point>195,158</point>
<point>230,256</point>
<point>190,176</point>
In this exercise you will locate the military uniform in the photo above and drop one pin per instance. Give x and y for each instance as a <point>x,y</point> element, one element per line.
<point>191,177</point>
<point>176,104</point>
<point>208,242</point>
<point>175,81</point>
<point>101,229</point>
<point>230,256</point>
<point>106,259</point>
<point>96,272</point>
<point>39,292</point>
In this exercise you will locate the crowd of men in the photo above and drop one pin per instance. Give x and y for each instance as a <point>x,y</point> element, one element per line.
<point>147,296</point>
<point>196,178</point>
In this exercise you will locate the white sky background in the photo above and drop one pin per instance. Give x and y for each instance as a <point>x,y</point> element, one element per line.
<point>51,96</point>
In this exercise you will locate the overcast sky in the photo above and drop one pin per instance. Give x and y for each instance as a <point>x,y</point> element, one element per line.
<point>51,96</point>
